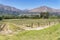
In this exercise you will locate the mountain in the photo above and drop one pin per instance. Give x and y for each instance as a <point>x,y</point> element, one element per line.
<point>44,9</point>
<point>4,7</point>
<point>9,10</point>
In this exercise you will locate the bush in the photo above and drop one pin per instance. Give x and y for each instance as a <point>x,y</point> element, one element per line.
<point>1,18</point>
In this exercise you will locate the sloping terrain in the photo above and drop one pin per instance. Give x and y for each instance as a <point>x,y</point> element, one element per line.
<point>13,25</point>
<point>51,33</point>
<point>44,9</point>
<point>8,10</point>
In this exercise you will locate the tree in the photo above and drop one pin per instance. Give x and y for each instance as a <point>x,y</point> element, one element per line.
<point>44,15</point>
<point>1,18</point>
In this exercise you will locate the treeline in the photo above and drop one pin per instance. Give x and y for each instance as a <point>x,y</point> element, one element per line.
<point>44,15</point>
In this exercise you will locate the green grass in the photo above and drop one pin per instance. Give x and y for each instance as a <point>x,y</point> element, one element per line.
<point>13,27</point>
<point>51,33</point>
<point>29,21</point>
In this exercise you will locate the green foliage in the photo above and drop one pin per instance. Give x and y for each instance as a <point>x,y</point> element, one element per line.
<point>44,15</point>
<point>1,18</point>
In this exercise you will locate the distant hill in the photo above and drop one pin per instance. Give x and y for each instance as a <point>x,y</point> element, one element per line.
<point>8,10</point>
<point>44,9</point>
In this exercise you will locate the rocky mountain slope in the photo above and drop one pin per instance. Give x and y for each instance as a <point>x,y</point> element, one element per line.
<point>8,10</point>
<point>44,9</point>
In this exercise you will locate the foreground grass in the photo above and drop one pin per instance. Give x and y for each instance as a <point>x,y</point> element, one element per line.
<point>52,33</point>
<point>13,27</point>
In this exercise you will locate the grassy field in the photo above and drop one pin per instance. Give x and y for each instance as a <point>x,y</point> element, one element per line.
<point>51,33</point>
<point>30,22</point>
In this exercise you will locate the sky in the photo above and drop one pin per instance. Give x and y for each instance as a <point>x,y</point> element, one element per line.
<point>30,4</point>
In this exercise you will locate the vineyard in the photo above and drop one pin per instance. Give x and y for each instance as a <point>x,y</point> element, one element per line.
<point>15,29</point>
<point>33,23</point>
<point>26,24</point>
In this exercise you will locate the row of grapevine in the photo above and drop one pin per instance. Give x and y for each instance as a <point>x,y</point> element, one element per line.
<point>36,23</point>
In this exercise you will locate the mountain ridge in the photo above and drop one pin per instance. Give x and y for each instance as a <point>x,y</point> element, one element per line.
<point>44,9</point>
<point>14,11</point>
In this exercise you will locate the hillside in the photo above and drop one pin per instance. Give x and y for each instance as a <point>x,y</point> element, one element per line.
<point>51,33</point>
<point>44,9</point>
<point>5,10</point>
<point>8,10</point>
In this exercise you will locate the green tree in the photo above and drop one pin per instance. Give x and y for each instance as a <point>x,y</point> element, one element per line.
<point>1,18</point>
<point>44,15</point>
